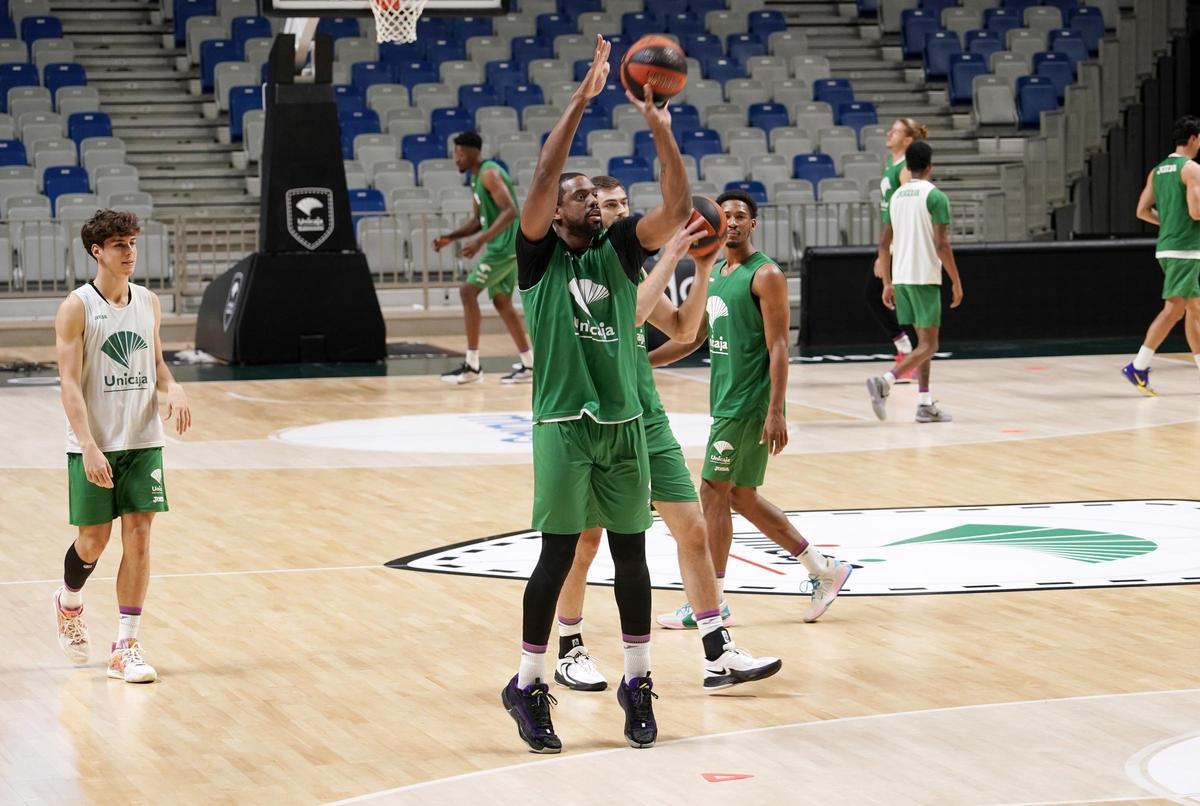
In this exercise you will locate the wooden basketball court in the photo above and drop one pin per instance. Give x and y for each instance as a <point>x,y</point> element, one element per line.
<point>296,667</point>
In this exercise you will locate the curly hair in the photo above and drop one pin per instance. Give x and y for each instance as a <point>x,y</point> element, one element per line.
<point>107,224</point>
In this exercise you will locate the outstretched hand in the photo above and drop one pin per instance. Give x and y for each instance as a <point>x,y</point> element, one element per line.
<point>650,112</point>
<point>597,75</point>
<point>683,238</point>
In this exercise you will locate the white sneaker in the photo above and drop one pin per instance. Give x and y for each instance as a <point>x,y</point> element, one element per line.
<point>684,618</point>
<point>520,374</point>
<point>464,374</point>
<point>578,671</point>
<point>72,632</point>
<point>127,663</point>
<point>826,587</point>
<point>737,666</point>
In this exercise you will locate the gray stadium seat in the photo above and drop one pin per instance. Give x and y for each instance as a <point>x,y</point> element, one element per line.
<point>1043,18</point>
<point>689,166</point>
<point>370,149</point>
<point>97,172</point>
<point>571,47</point>
<point>720,169</point>
<point>589,166</point>
<point>745,143</point>
<point>229,75</point>
<point>791,92</point>
<point>99,151</point>
<point>545,72</point>
<point>746,91</point>
<point>154,251</point>
<point>400,121</point>
<point>35,126</point>
<point>356,177</point>
<point>961,20</point>
<point>790,141</point>
<point>837,142</point>
<point>810,69</point>
<point>382,97</point>
<point>594,23</point>
<point>604,144</point>
<point>392,176</point>
<point>786,44</point>
<point>993,101</point>
<point>256,51</point>
<point>425,260</point>
<point>773,234</point>
<point>28,99</point>
<point>723,117</point>
<point>109,186</point>
<point>522,171</point>
<point>540,119</point>
<point>438,173</point>
<point>722,23</point>
<point>253,125</point>
<point>41,247</point>
<point>770,70</point>
<point>889,14</point>
<point>428,97</point>
<point>874,139</point>
<point>493,121</point>
<point>16,180</point>
<point>645,195</point>
<point>20,9</point>
<point>812,117</point>
<point>229,9</point>
<point>8,127</point>
<point>559,94</point>
<point>768,168</point>
<point>1010,66</point>
<point>864,168</point>
<point>382,240</point>
<point>484,49</point>
<point>48,51</point>
<point>1026,42</point>
<point>700,93</point>
<point>13,51</point>
<point>455,74</point>
<point>48,153</point>
<point>517,145</point>
<point>407,201</point>
<point>511,26</point>
<point>199,29</point>
<point>793,191</point>
<point>353,49</point>
<point>840,191</point>
<point>137,202</point>
<point>69,100</point>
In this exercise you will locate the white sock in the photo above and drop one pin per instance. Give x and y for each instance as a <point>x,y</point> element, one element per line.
<point>924,398</point>
<point>127,627</point>
<point>889,378</point>
<point>903,345</point>
<point>1144,357</point>
<point>533,666</point>
<point>527,358</point>
<point>707,625</point>
<point>637,659</point>
<point>473,359</point>
<point>721,588</point>
<point>813,560</point>
<point>73,600</point>
<point>1197,358</point>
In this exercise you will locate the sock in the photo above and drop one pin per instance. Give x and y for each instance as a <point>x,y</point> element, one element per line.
<point>889,378</point>
<point>127,626</point>
<point>570,635</point>
<point>69,599</point>
<point>924,397</point>
<point>533,665</point>
<point>527,358</point>
<point>637,655</point>
<point>813,560</point>
<point>473,357</point>
<point>1144,357</point>
<point>1197,358</point>
<point>721,585</point>
<point>75,570</point>
<point>903,345</point>
<point>713,634</point>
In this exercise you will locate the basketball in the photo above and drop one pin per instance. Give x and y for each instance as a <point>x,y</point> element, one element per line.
<point>707,209</point>
<point>657,61</point>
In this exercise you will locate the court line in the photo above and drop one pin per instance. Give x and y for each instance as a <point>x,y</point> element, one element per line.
<point>394,404</point>
<point>678,373</point>
<point>1084,802</point>
<point>747,731</point>
<point>1136,769</point>
<point>215,573</point>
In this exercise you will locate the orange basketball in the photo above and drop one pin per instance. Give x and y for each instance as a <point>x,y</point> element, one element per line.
<point>714,229</point>
<point>657,61</point>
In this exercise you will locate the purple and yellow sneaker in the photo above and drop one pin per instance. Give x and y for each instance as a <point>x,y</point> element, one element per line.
<point>1140,378</point>
<point>530,709</point>
<point>636,698</point>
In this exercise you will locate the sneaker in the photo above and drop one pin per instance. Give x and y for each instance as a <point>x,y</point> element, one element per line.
<point>826,587</point>
<point>72,632</point>
<point>520,374</point>
<point>127,663</point>
<point>878,389</point>
<point>1140,378</point>
<point>932,414</point>
<point>636,698</point>
<point>464,374</point>
<point>737,666</point>
<point>578,671</point>
<point>906,377</point>
<point>684,619</point>
<point>530,709</point>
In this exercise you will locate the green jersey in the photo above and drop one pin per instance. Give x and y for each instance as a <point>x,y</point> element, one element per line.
<point>888,186</point>
<point>581,308</point>
<point>1178,232</point>
<point>740,384</point>
<point>647,391</point>
<point>502,245</point>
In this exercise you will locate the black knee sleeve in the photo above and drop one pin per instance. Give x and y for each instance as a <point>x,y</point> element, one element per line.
<point>873,294</point>
<point>75,570</point>
<point>631,581</point>
<point>545,583</point>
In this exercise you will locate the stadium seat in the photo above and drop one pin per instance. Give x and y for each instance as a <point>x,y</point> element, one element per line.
<point>856,114</point>
<point>833,91</point>
<point>628,170</point>
<point>1001,20</point>
<point>699,142</point>
<point>522,96</point>
<point>1035,94</point>
<point>466,27</point>
<point>916,24</point>
<point>338,27</point>
<point>363,121</point>
<point>526,49</point>
<point>763,23</point>
<point>1018,6</point>
<point>684,24</point>
<point>684,118</point>
<point>185,10</point>
<point>1043,18</point>
<point>813,168</point>
<point>64,74</point>
<point>767,116</point>
<point>994,104</point>
<point>245,28</point>
<point>82,125</point>
<point>756,189</point>
<point>16,75</point>
<point>937,6</point>
<point>348,99</point>
<point>212,53</point>
<point>723,69</point>
<point>446,122</point>
<point>1089,22</point>
<point>61,179</point>
<point>963,69</point>
<point>472,97</point>
<point>703,47</point>
<point>960,20</point>
<point>12,152</point>
<point>410,74</point>
<point>552,25</point>
<point>502,74</point>
<point>940,46</point>
<point>1070,43</point>
<point>69,100</point>
<point>35,28</point>
<point>241,100</point>
<point>636,24</point>
<point>364,75</point>
<point>743,47</point>
<point>1057,68</point>
<point>46,51</point>
<point>984,43</point>
<point>364,201</point>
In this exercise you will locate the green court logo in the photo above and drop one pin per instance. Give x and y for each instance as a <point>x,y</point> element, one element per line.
<point>1070,544</point>
<point>121,346</point>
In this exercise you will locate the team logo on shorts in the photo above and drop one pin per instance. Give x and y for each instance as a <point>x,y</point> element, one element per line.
<point>310,215</point>
<point>722,455</point>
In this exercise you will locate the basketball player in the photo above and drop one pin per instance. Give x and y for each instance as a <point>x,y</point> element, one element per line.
<point>918,221</point>
<point>1171,202</point>
<point>671,492</point>
<point>904,132</point>
<point>493,228</point>
<point>111,366</point>
<point>748,313</point>
<point>580,287</point>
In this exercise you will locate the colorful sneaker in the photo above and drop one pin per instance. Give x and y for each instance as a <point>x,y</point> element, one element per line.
<point>906,377</point>
<point>826,587</point>
<point>1140,378</point>
<point>530,709</point>
<point>578,671</point>
<point>127,663</point>
<point>684,619</point>
<point>932,414</point>
<point>737,666</point>
<point>636,698</point>
<point>520,374</point>
<point>878,389</point>
<point>72,632</point>
<point>464,374</point>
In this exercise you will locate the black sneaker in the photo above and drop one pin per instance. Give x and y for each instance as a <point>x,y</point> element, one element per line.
<point>530,709</point>
<point>464,374</point>
<point>520,374</point>
<point>636,698</point>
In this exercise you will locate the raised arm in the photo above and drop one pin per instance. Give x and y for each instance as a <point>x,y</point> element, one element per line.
<point>177,404</point>
<point>1145,205</point>
<point>68,346</point>
<point>508,213</point>
<point>538,213</point>
<point>681,323</point>
<point>770,286</point>
<point>656,227</point>
<point>650,290</point>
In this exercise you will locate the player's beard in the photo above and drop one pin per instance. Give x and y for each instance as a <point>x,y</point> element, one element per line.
<point>585,228</point>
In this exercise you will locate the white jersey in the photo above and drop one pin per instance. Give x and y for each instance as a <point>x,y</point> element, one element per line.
<point>119,378</point>
<point>913,210</point>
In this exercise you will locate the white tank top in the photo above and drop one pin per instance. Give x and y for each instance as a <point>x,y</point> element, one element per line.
<point>119,378</point>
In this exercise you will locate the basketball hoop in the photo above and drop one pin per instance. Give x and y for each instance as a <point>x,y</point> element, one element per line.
<point>396,20</point>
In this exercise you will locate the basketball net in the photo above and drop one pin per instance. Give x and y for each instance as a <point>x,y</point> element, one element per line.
<point>396,20</point>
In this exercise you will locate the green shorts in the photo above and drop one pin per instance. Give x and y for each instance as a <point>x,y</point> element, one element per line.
<point>138,486</point>
<point>670,479</point>
<point>497,275</point>
<point>588,474</point>
<point>919,305</point>
<point>1181,277</point>
<point>734,453</point>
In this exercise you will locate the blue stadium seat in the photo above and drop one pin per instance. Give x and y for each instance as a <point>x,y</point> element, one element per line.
<point>664,8</point>
<point>466,27</point>
<point>767,116</point>
<point>364,75</point>
<point>364,201</point>
<point>212,53</point>
<point>620,45</point>
<point>338,27</point>
<point>445,50</point>
<point>1019,6</point>
<point>756,189</point>
<point>699,143</point>
<point>244,28</point>
<point>593,120</point>
<point>833,91</point>
<point>984,43</point>
<point>12,152</point>
<point>472,96</point>
<point>937,6</point>
<point>643,145</point>
<point>578,144</point>
<point>685,24</point>
<point>419,147</point>
<point>1069,43</point>
<point>1089,22</point>
<point>63,74</point>
<point>552,25</point>
<point>501,75</point>
<point>684,117</point>
<point>354,124</point>
<point>7,29</point>
<point>15,75</point>
<point>1065,6</point>
<point>743,47</point>
<point>348,99</point>
<point>579,6</point>
<point>813,168</point>
<point>1001,20</point>
<point>612,96</point>
<point>703,47</point>
<point>431,27</point>
<point>410,74</point>
<point>963,69</point>
<point>450,120</point>
<point>856,114</point>
<point>764,23</point>
<point>398,53</point>
<point>723,69</point>
<point>526,49</point>
<point>939,47</point>
<point>636,24</point>
<point>580,68</point>
<point>60,179</point>
<point>1035,94</point>
<point>1057,68</point>
<point>81,125</point>
<point>185,10</point>
<point>868,9</point>
<point>702,7</point>
<point>915,25</point>
<point>242,99</point>
<point>35,28</point>
<point>628,170</point>
<point>523,95</point>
